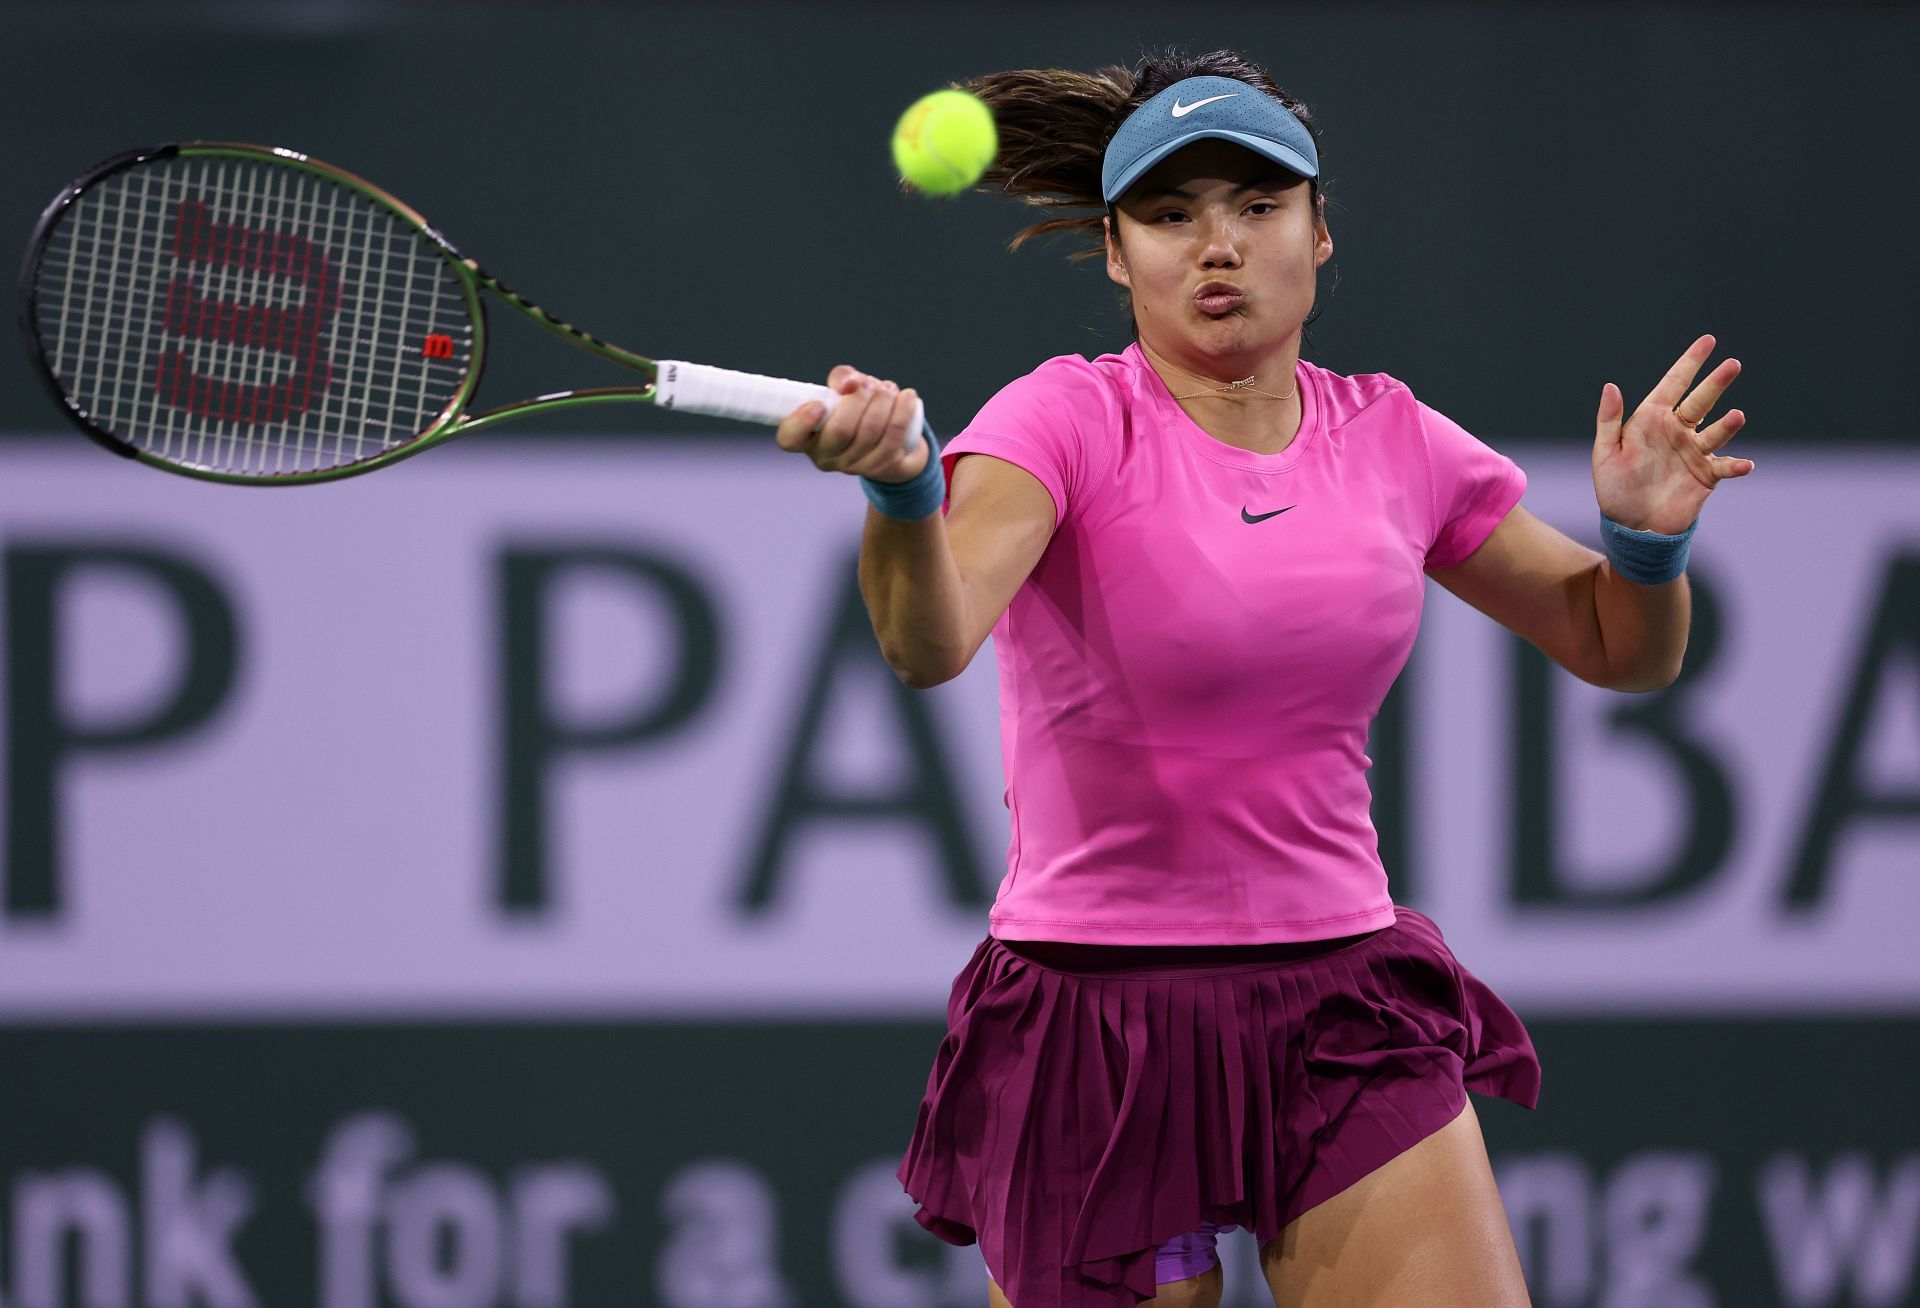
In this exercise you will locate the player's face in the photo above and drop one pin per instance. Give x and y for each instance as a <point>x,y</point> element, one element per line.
<point>1215,216</point>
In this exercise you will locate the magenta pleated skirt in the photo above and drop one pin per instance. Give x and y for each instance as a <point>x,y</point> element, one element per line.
<point>1077,1120</point>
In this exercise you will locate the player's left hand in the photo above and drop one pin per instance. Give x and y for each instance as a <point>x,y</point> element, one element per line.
<point>1654,473</point>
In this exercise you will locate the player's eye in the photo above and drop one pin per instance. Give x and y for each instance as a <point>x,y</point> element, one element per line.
<point>1263,205</point>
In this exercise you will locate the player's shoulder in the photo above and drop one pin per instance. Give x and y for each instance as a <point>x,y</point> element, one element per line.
<point>1379,410</point>
<point>1067,392</point>
<point>1071,374</point>
<point>1362,398</point>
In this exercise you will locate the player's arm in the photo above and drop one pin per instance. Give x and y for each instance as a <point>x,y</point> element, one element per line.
<point>1652,472</point>
<point>1566,600</point>
<point>934,587</point>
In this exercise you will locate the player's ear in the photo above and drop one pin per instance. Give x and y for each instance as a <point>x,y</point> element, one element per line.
<point>1322,238</point>
<point>1116,259</point>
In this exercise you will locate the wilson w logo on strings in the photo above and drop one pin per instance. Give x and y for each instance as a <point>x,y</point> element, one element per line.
<point>293,331</point>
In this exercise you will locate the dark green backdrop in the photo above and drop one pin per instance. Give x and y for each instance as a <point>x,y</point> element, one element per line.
<point>1528,199</point>
<point>1666,1161</point>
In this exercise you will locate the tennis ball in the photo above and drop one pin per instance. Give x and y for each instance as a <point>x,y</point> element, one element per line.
<point>944,141</point>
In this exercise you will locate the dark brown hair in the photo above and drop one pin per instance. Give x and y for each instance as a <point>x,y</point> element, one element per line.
<point>1055,123</point>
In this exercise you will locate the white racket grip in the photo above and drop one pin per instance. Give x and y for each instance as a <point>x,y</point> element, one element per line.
<point>746,396</point>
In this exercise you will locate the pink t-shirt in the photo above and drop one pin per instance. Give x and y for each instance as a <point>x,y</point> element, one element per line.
<point>1188,674</point>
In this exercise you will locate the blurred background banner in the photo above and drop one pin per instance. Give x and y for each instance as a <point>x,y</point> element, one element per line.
<point>517,728</point>
<point>514,878</point>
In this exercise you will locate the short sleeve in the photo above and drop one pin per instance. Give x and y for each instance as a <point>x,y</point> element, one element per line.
<point>1474,486</point>
<point>1048,422</point>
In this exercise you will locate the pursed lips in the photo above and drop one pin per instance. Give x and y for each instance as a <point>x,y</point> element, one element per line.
<point>1219,297</point>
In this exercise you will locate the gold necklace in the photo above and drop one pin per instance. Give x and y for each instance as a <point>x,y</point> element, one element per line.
<point>1243,386</point>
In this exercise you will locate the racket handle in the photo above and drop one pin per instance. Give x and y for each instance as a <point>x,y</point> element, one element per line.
<point>746,396</point>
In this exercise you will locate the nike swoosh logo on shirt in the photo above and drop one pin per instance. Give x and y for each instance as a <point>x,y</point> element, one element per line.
<point>1182,110</point>
<point>1262,517</point>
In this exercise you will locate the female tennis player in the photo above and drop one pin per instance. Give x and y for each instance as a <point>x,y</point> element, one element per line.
<point>1202,562</point>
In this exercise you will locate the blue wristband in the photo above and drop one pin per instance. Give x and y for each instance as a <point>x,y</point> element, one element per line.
<point>910,501</point>
<point>1645,558</point>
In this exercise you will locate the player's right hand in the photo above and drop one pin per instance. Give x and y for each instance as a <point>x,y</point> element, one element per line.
<point>866,435</point>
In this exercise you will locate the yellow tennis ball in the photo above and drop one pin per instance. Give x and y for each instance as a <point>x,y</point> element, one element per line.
<point>944,141</point>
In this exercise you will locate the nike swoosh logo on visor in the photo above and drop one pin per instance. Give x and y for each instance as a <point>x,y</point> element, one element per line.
<point>1182,110</point>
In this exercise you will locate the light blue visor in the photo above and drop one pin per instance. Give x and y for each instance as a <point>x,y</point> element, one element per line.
<point>1200,109</point>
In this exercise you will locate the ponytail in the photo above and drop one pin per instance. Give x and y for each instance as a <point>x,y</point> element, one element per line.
<point>1054,127</point>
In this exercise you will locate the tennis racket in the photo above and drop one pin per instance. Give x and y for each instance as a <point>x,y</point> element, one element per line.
<point>246,314</point>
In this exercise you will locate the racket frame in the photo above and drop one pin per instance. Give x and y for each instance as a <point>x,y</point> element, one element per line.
<point>471,278</point>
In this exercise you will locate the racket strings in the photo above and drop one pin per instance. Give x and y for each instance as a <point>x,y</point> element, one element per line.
<point>249,317</point>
